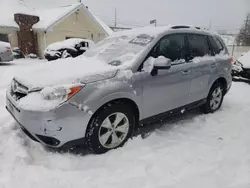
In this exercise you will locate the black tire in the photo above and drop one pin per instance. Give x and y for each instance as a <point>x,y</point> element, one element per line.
<point>92,133</point>
<point>207,108</point>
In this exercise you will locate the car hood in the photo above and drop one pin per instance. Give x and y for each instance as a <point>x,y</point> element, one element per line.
<point>65,71</point>
<point>245,60</point>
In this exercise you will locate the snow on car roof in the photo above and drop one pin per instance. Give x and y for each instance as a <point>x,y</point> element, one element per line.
<point>148,30</point>
<point>69,43</point>
<point>5,44</point>
<point>245,60</point>
<point>155,31</point>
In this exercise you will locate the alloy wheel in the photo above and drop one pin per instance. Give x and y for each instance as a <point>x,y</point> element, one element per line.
<point>216,98</point>
<point>113,130</point>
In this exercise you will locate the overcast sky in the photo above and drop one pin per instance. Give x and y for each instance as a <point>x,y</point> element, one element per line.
<point>223,14</point>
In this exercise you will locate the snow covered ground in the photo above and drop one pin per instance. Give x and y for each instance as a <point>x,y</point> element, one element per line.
<point>208,151</point>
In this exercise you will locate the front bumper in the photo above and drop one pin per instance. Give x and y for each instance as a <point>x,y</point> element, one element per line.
<point>57,128</point>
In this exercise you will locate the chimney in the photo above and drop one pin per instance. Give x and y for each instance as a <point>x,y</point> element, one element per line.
<point>27,39</point>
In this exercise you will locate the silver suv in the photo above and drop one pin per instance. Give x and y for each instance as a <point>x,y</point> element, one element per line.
<point>126,80</point>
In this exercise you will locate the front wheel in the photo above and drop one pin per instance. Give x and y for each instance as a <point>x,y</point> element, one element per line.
<point>214,99</point>
<point>110,128</point>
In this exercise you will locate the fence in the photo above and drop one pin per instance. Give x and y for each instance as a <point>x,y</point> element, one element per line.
<point>237,51</point>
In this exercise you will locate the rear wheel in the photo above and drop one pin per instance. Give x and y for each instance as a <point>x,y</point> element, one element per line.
<point>214,99</point>
<point>110,128</point>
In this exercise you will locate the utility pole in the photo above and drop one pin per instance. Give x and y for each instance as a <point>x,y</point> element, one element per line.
<point>115,19</point>
<point>210,24</point>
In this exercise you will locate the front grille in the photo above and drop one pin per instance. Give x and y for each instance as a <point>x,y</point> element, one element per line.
<point>18,90</point>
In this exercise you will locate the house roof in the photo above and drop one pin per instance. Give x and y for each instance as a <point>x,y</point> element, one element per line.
<point>50,17</point>
<point>7,12</point>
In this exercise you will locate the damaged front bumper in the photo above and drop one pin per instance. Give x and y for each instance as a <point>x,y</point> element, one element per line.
<point>60,127</point>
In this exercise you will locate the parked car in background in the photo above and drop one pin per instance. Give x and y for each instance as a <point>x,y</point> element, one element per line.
<point>130,78</point>
<point>72,47</point>
<point>17,53</point>
<point>241,67</point>
<point>5,52</point>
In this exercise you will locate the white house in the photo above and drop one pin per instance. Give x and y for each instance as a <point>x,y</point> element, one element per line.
<point>35,30</point>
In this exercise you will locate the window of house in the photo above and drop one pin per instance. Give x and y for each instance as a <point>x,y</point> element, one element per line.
<point>198,46</point>
<point>172,47</point>
<point>4,37</point>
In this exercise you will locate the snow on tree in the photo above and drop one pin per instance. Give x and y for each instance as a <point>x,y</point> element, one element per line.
<point>243,37</point>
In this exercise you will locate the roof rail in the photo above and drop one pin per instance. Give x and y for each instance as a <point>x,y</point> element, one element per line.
<point>180,27</point>
<point>184,27</point>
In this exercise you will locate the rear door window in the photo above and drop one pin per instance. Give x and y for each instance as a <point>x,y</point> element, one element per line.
<point>198,46</point>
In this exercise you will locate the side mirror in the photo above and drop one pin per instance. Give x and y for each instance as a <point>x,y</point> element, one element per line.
<point>162,63</point>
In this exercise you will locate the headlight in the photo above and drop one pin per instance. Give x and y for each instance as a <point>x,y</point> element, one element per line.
<point>62,93</point>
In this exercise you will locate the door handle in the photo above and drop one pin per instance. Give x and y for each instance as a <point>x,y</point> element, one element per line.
<point>185,72</point>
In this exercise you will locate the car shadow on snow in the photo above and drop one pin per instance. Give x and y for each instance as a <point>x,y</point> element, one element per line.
<point>6,64</point>
<point>164,124</point>
<point>167,123</point>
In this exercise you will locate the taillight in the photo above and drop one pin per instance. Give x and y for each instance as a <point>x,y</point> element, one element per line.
<point>231,59</point>
<point>8,49</point>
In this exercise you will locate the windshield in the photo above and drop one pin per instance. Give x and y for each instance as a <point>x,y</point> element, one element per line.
<point>119,50</point>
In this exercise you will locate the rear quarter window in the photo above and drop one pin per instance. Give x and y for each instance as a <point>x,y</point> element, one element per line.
<point>216,46</point>
<point>219,43</point>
